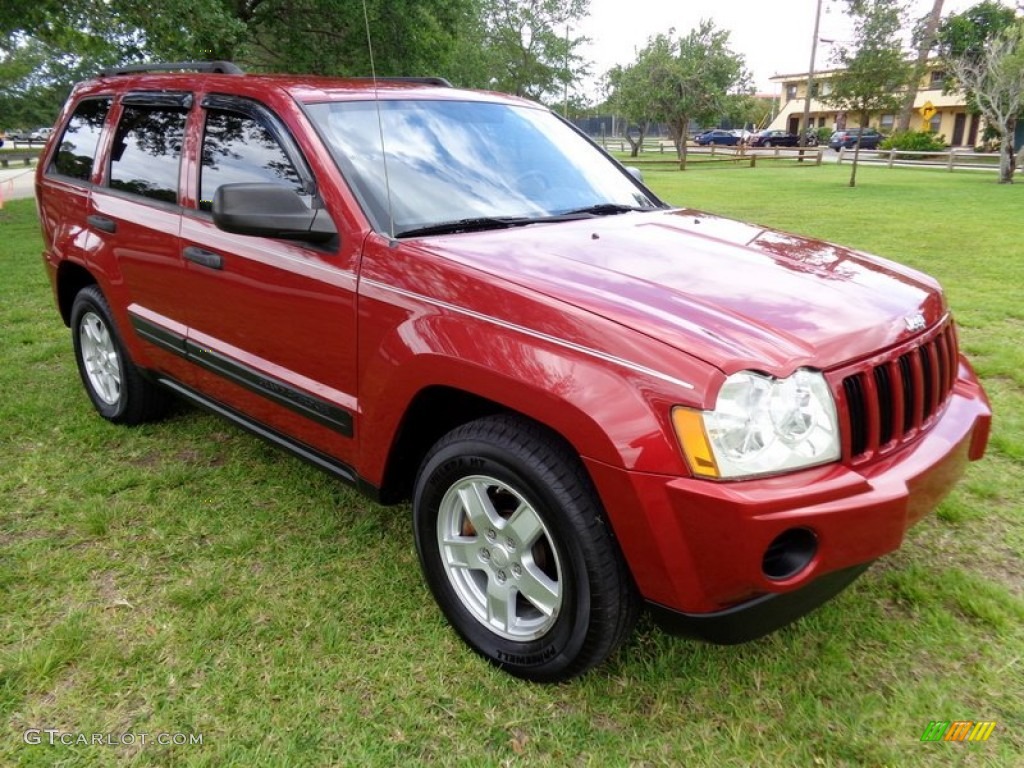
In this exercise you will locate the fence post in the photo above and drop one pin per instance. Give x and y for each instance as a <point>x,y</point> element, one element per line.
<point>952,155</point>
<point>892,156</point>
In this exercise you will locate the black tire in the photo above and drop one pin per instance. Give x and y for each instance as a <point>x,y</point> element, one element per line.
<point>115,386</point>
<point>553,568</point>
<point>768,144</point>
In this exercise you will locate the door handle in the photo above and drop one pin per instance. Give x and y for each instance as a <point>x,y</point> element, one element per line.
<point>203,257</point>
<point>101,222</point>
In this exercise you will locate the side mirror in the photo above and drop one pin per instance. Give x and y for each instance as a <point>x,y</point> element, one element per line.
<point>635,173</point>
<point>270,210</point>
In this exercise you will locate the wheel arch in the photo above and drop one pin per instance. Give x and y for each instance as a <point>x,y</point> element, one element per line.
<point>71,279</point>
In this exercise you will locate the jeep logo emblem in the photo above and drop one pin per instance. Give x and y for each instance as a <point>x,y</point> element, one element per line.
<point>914,322</point>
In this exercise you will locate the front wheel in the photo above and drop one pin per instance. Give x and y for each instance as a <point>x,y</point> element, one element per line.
<point>515,548</point>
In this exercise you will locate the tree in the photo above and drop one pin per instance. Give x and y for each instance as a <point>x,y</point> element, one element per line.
<point>630,98</point>
<point>994,76</point>
<point>528,48</point>
<point>873,72</point>
<point>679,80</point>
<point>965,34</point>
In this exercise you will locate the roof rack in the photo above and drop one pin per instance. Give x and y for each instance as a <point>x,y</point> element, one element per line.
<point>438,81</point>
<point>218,67</point>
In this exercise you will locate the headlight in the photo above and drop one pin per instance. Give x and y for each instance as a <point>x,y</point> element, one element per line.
<point>761,425</point>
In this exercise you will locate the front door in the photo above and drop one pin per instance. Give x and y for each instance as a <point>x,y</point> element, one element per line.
<point>959,124</point>
<point>272,323</point>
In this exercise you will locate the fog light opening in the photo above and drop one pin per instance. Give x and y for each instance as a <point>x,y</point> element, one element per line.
<point>789,553</point>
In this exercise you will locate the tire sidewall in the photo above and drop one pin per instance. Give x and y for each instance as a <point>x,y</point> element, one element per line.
<point>558,648</point>
<point>90,300</point>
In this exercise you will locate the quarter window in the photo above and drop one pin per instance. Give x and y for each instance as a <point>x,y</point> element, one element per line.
<point>77,147</point>
<point>237,148</point>
<point>147,152</point>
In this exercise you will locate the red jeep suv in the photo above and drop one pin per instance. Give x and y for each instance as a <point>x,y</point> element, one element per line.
<point>595,401</point>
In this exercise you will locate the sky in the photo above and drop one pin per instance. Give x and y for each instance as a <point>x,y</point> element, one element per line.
<point>773,35</point>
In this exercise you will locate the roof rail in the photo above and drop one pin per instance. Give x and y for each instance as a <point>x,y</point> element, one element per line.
<point>220,67</point>
<point>438,81</point>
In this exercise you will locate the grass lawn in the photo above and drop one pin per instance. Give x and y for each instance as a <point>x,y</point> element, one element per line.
<point>184,577</point>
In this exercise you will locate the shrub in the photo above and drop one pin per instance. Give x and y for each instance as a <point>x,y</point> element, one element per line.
<point>921,141</point>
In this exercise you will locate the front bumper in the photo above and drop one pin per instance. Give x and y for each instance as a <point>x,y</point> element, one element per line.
<point>697,547</point>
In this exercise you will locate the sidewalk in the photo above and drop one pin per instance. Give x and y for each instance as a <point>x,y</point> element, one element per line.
<point>17,182</point>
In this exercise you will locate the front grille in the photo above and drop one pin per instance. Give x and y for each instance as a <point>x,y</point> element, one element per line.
<point>888,401</point>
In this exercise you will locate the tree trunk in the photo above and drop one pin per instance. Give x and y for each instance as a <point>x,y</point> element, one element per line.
<point>921,64</point>
<point>679,135</point>
<point>634,146</point>
<point>1007,156</point>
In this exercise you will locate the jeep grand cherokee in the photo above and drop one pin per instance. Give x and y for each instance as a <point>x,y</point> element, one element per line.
<point>595,401</point>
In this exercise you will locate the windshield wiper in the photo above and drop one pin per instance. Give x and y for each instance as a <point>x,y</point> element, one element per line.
<point>482,223</point>
<point>604,209</point>
<point>466,225</point>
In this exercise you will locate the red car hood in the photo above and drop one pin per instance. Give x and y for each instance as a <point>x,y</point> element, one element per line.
<point>735,295</point>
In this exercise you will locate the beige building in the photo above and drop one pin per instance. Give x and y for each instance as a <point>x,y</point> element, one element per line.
<point>947,115</point>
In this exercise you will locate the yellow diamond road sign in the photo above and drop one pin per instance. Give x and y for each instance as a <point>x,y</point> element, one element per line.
<point>928,110</point>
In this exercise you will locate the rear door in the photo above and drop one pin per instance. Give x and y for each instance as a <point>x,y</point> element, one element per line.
<point>135,221</point>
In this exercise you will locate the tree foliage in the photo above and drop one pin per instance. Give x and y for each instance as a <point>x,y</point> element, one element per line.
<point>528,48</point>
<point>873,71</point>
<point>679,80</point>
<point>47,45</point>
<point>964,35</point>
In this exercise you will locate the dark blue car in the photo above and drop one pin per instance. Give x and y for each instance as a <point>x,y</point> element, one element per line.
<point>717,137</point>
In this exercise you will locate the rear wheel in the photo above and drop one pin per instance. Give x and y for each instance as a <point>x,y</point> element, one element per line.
<point>513,544</point>
<point>115,386</point>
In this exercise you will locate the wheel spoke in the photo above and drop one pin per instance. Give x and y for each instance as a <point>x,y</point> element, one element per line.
<point>478,506</point>
<point>462,552</point>
<point>500,605</point>
<point>525,525</point>
<point>541,591</point>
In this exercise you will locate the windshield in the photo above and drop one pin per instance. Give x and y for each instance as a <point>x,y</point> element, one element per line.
<point>464,161</point>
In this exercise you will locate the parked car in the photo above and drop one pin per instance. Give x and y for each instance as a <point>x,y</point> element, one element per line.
<point>717,137</point>
<point>774,138</point>
<point>869,138</point>
<point>594,400</point>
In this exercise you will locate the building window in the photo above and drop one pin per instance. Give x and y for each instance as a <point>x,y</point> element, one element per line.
<point>815,89</point>
<point>935,123</point>
<point>887,122</point>
<point>826,88</point>
<point>937,80</point>
<point>790,92</point>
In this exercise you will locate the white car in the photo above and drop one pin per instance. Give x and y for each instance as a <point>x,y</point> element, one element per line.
<point>40,134</point>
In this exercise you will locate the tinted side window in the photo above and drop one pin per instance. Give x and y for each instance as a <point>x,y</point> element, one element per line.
<point>147,151</point>
<point>237,148</point>
<point>77,147</point>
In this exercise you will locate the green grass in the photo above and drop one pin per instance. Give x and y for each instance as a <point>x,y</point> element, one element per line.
<point>185,577</point>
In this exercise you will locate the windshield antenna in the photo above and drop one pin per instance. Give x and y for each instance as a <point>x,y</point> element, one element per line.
<point>380,125</point>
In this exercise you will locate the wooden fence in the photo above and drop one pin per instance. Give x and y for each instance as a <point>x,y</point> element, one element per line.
<point>951,160</point>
